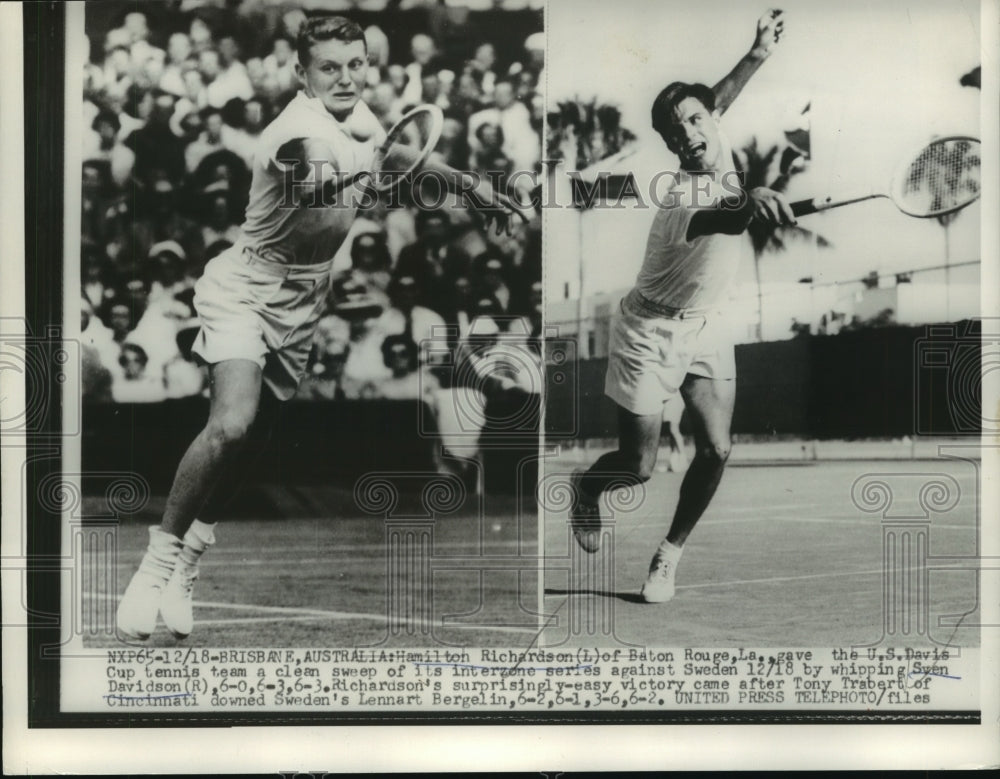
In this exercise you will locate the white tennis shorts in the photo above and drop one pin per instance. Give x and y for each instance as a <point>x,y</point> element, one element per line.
<point>649,356</point>
<point>263,311</point>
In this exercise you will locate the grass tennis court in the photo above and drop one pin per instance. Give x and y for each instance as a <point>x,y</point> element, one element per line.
<point>322,580</point>
<point>782,557</point>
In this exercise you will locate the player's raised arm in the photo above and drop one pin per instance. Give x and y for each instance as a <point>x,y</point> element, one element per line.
<point>493,207</point>
<point>770,27</point>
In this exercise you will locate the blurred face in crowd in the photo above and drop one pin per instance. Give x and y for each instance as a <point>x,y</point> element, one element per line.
<point>208,64</point>
<point>228,51</point>
<point>107,133</point>
<point>293,20</point>
<point>503,95</point>
<point>431,87</point>
<point>192,126</point>
<point>397,77</point>
<point>255,71</point>
<point>168,268</point>
<point>436,231</point>
<point>133,363</point>
<point>137,293</point>
<point>91,267</point>
<point>405,293</point>
<point>213,127</point>
<point>282,50</point>
<point>219,214</point>
<point>422,48</point>
<point>120,320</point>
<point>525,83</point>
<point>200,34</point>
<point>92,180</point>
<point>452,130</point>
<point>178,48</point>
<point>399,359</point>
<point>120,60</point>
<point>221,173</point>
<point>151,72</point>
<point>253,116</point>
<point>489,135</point>
<point>381,98</point>
<point>336,74</point>
<point>486,56</point>
<point>194,84</point>
<point>163,108</point>
<point>135,25</point>
<point>462,289</point>
<point>468,88</point>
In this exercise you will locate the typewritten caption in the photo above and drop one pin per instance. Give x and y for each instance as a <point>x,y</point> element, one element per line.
<point>538,679</point>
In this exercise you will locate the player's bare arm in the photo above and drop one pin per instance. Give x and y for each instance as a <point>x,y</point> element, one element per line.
<point>732,215</point>
<point>310,161</point>
<point>494,208</point>
<point>770,28</point>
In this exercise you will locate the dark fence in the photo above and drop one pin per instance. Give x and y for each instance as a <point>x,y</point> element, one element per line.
<point>313,442</point>
<point>333,443</point>
<point>885,382</point>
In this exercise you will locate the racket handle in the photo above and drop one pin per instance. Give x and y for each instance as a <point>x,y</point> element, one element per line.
<point>810,206</point>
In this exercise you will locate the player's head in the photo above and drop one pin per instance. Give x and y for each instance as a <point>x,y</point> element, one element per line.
<point>333,62</point>
<point>685,117</point>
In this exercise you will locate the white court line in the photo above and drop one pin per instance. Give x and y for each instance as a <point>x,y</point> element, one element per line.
<point>773,579</point>
<point>849,519</point>
<point>281,611</point>
<point>286,618</point>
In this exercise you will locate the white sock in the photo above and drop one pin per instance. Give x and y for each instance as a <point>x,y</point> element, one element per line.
<point>198,538</point>
<point>668,551</point>
<point>161,554</point>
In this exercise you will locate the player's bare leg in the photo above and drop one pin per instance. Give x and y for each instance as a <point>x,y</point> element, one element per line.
<point>177,601</point>
<point>631,463</point>
<point>710,403</point>
<point>236,389</point>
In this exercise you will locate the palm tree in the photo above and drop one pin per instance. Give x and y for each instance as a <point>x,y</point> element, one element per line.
<point>941,170</point>
<point>584,132</point>
<point>756,167</point>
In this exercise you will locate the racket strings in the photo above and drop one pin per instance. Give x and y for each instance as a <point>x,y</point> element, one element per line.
<point>406,146</point>
<point>944,177</point>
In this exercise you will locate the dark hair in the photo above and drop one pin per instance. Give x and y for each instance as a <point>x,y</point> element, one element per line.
<point>672,96</point>
<point>374,243</point>
<point>392,341</point>
<point>425,215</point>
<point>134,95</point>
<point>325,28</point>
<point>137,350</point>
<point>108,117</point>
<point>211,110</point>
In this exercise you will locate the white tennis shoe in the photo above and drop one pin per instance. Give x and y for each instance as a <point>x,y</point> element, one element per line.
<point>140,604</point>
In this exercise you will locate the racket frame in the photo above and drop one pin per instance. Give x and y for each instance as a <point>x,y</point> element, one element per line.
<point>433,136</point>
<point>825,203</point>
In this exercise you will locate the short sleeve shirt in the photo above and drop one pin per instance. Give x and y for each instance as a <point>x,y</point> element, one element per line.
<point>680,273</point>
<point>284,223</point>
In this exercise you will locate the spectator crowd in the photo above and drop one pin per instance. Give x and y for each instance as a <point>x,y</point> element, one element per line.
<point>173,104</point>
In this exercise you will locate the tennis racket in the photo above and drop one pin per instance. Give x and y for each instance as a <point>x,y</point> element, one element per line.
<point>406,147</point>
<point>941,177</point>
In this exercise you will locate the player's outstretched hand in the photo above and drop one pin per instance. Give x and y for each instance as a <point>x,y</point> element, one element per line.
<point>499,212</point>
<point>769,30</point>
<point>771,207</point>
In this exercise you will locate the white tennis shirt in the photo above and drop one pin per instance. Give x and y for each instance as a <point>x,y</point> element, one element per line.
<point>688,274</point>
<point>286,223</point>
